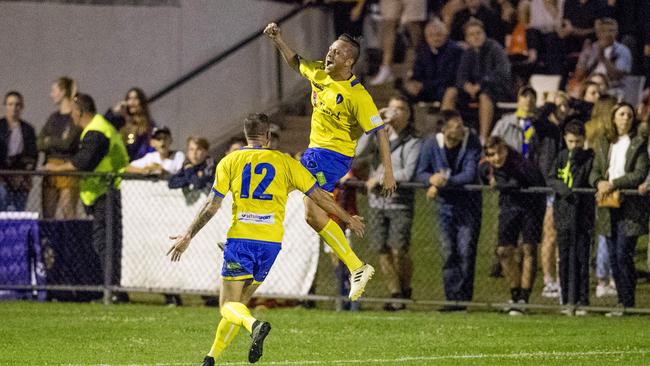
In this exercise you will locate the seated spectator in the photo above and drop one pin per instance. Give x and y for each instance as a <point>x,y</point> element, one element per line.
<point>522,213</point>
<point>475,9</point>
<point>544,46</point>
<point>132,118</point>
<point>436,64</point>
<point>198,170</point>
<point>274,141</point>
<point>573,216</point>
<point>602,81</point>
<point>621,162</point>
<point>413,13</point>
<point>348,16</point>
<point>390,218</point>
<point>483,76</point>
<point>234,144</point>
<point>59,140</point>
<point>605,56</point>
<point>450,160</point>
<point>578,21</point>
<point>163,161</point>
<point>17,152</point>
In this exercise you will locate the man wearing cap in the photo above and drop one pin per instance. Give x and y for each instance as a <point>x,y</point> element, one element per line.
<point>101,151</point>
<point>163,161</point>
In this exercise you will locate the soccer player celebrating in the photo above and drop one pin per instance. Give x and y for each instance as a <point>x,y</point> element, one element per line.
<point>259,179</point>
<point>343,110</point>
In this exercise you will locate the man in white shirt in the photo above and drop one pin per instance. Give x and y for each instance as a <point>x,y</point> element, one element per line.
<point>163,161</point>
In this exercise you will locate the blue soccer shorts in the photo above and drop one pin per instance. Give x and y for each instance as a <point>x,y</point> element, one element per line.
<point>245,259</point>
<point>327,166</point>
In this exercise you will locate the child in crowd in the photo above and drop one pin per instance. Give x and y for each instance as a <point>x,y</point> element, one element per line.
<point>574,216</point>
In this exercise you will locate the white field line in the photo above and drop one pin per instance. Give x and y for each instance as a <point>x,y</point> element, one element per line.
<point>479,356</point>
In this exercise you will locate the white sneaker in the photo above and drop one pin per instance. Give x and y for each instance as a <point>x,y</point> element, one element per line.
<point>516,311</point>
<point>551,290</point>
<point>383,76</point>
<point>358,280</point>
<point>601,290</point>
<point>610,290</point>
<point>581,312</point>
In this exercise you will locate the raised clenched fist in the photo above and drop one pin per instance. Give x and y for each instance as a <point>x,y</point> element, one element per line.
<point>272,30</point>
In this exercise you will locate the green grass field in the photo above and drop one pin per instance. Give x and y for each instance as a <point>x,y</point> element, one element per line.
<point>93,334</point>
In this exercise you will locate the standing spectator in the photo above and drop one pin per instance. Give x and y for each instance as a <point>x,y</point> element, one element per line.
<point>198,169</point>
<point>606,55</point>
<point>391,218</point>
<point>544,46</point>
<point>17,152</point>
<point>450,160</point>
<point>519,213</point>
<point>595,131</point>
<point>621,162</point>
<point>534,138</point>
<point>600,122</point>
<point>59,140</point>
<point>163,161</point>
<point>573,216</point>
<point>101,151</point>
<point>475,9</point>
<point>436,64</point>
<point>412,13</point>
<point>483,76</point>
<point>132,118</point>
<point>537,139</point>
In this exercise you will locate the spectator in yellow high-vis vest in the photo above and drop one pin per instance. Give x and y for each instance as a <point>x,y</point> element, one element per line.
<point>101,150</point>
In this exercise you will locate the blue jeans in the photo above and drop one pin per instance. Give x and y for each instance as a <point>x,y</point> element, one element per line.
<point>16,200</point>
<point>459,238</point>
<point>3,197</point>
<point>603,270</point>
<point>621,256</point>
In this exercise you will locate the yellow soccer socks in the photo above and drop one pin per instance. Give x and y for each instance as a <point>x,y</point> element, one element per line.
<point>335,238</point>
<point>238,314</point>
<point>226,332</point>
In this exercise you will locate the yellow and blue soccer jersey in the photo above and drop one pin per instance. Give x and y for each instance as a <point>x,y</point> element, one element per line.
<point>260,180</point>
<point>343,110</point>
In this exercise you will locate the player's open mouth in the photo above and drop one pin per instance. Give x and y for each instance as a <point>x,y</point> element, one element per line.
<point>328,63</point>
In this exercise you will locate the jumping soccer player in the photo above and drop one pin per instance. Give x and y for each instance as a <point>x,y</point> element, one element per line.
<point>259,179</point>
<point>343,110</point>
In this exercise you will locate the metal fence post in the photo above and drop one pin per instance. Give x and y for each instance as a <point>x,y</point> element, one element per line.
<point>108,254</point>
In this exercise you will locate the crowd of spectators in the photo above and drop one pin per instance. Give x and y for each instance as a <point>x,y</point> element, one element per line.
<point>583,135</point>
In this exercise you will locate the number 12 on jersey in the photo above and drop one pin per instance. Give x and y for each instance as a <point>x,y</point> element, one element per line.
<point>258,194</point>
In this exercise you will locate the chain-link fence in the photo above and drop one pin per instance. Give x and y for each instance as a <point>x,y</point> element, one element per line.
<point>430,254</point>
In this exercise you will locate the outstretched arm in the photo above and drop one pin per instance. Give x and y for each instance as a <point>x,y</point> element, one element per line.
<point>389,185</point>
<point>181,242</point>
<point>325,201</point>
<point>273,32</point>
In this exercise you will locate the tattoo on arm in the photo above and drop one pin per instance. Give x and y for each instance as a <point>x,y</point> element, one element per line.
<point>209,209</point>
